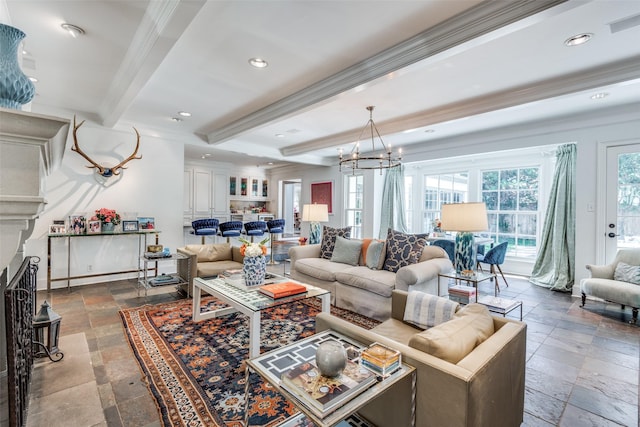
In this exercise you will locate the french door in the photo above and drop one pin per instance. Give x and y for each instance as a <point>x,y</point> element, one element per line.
<point>622,211</point>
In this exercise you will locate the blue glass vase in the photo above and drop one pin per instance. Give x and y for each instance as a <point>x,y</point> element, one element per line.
<point>254,269</point>
<point>15,87</point>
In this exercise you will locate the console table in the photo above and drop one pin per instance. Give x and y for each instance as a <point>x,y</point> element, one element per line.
<point>142,245</point>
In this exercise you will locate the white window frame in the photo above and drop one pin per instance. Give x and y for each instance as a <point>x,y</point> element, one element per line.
<point>351,212</point>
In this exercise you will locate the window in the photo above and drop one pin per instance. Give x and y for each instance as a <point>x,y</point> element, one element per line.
<point>511,196</point>
<point>354,204</point>
<point>441,189</point>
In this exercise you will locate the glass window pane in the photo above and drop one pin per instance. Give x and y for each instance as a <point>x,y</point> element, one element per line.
<point>528,200</point>
<point>506,223</point>
<point>527,224</point>
<point>508,200</point>
<point>490,198</point>
<point>529,178</point>
<point>508,179</point>
<point>490,180</point>
<point>493,222</point>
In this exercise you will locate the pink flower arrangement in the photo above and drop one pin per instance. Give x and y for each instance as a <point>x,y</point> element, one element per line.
<point>107,216</point>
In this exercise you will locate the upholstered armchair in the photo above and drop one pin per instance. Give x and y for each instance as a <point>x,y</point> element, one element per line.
<point>618,282</point>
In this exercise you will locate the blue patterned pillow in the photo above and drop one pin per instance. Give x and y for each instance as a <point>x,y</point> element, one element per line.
<point>402,250</point>
<point>627,273</point>
<point>328,242</point>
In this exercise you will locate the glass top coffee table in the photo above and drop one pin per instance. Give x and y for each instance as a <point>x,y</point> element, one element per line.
<point>473,279</point>
<point>248,301</point>
<point>273,364</point>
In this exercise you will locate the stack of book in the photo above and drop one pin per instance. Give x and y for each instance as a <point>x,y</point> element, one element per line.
<point>381,359</point>
<point>462,294</point>
<point>283,289</point>
<point>323,395</point>
<point>164,279</point>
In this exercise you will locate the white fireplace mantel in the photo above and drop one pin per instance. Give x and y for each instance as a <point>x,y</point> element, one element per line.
<point>31,147</point>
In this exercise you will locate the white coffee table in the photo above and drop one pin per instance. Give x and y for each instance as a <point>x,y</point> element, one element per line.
<point>248,302</point>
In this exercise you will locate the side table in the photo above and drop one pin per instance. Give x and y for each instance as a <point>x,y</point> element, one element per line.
<point>476,278</point>
<point>166,279</point>
<point>500,305</point>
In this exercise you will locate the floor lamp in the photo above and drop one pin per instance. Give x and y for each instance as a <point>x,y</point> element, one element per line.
<point>464,218</point>
<point>315,214</point>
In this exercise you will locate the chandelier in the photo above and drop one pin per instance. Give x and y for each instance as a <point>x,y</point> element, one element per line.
<point>370,160</point>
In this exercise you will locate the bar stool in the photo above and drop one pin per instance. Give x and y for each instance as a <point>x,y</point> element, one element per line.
<point>275,226</point>
<point>205,227</point>
<point>230,229</point>
<point>255,228</point>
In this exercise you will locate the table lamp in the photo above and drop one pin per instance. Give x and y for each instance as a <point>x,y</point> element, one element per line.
<point>315,214</point>
<point>464,219</point>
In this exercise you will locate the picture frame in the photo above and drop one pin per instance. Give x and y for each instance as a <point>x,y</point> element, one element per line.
<point>129,226</point>
<point>77,224</point>
<point>146,223</point>
<point>57,228</point>
<point>94,227</point>
<point>322,194</point>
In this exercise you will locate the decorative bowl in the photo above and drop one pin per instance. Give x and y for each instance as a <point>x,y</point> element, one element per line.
<point>154,248</point>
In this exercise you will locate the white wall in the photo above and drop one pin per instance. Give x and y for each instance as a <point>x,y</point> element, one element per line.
<point>151,186</point>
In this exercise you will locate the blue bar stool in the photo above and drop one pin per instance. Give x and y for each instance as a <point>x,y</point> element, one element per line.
<point>205,227</point>
<point>255,228</point>
<point>230,229</point>
<point>275,226</point>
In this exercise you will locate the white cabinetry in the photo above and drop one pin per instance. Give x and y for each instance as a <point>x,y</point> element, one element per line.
<point>205,194</point>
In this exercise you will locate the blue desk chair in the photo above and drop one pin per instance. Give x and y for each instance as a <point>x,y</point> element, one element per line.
<point>449,247</point>
<point>255,228</point>
<point>205,227</point>
<point>275,226</point>
<point>494,257</point>
<point>230,229</point>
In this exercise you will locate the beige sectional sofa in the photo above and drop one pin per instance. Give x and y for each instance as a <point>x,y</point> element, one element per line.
<point>364,290</point>
<point>484,388</point>
<point>208,260</point>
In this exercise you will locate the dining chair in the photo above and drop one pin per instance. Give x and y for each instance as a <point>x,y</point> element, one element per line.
<point>494,257</point>
<point>275,226</point>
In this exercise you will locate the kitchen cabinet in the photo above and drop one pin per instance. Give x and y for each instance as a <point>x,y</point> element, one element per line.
<point>205,194</point>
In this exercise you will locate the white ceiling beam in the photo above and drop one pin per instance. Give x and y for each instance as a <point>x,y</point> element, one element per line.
<point>162,25</point>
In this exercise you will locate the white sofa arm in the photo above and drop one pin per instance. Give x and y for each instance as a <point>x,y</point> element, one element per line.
<point>601,271</point>
<point>305,251</point>
<point>421,272</point>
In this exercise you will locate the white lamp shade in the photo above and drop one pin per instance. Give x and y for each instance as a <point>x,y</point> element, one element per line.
<point>315,213</point>
<point>464,217</point>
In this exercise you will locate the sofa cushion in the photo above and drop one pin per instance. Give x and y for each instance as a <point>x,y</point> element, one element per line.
<point>213,252</point>
<point>210,269</point>
<point>319,268</point>
<point>425,310</point>
<point>396,330</point>
<point>346,251</point>
<point>402,249</point>
<point>376,254</point>
<point>379,282</point>
<point>453,340</point>
<point>329,235</point>
<point>627,273</point>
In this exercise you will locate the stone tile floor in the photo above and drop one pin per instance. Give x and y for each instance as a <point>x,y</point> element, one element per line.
<point>582,364</point>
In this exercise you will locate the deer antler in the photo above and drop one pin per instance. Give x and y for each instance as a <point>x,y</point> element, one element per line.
<point>102,170</point>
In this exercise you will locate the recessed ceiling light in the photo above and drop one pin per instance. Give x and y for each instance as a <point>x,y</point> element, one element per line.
<point>184,113</point>
<point>600,95</point>
<point>578,39</point>
<point>74,30</point>
<point>429,131</point>
<point>258,62</point>
<point>176,119</point>
<point>33,79</point>
<point>270,163</point>
<point>25,52</point>
<point>207,154</point>
<point>279,135</point>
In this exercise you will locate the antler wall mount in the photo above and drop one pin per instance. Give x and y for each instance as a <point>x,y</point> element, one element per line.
<point>104,171</point>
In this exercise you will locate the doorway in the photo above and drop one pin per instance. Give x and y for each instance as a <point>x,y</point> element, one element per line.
<point>291,207</point>
<point>622,209</point>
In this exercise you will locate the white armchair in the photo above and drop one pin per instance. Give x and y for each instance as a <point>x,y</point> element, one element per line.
<point>602,284</point>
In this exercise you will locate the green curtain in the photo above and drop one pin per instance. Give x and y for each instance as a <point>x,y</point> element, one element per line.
<point>555,265</point>
<point>392,211</point>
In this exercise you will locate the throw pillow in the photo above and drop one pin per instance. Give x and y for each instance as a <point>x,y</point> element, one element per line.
<point>454,340</point>
<point>376,254</point>
<point>627,273</point>
<point>346,251</point>
<point>425,310</point>
<point>402,250</point>
<point>365,246</point>
<point>329,235</point>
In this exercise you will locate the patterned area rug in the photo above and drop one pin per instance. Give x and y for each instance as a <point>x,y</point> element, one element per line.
<point>195,371</point>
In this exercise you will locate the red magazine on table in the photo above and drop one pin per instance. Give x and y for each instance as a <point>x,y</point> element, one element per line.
<point>284,289</point>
